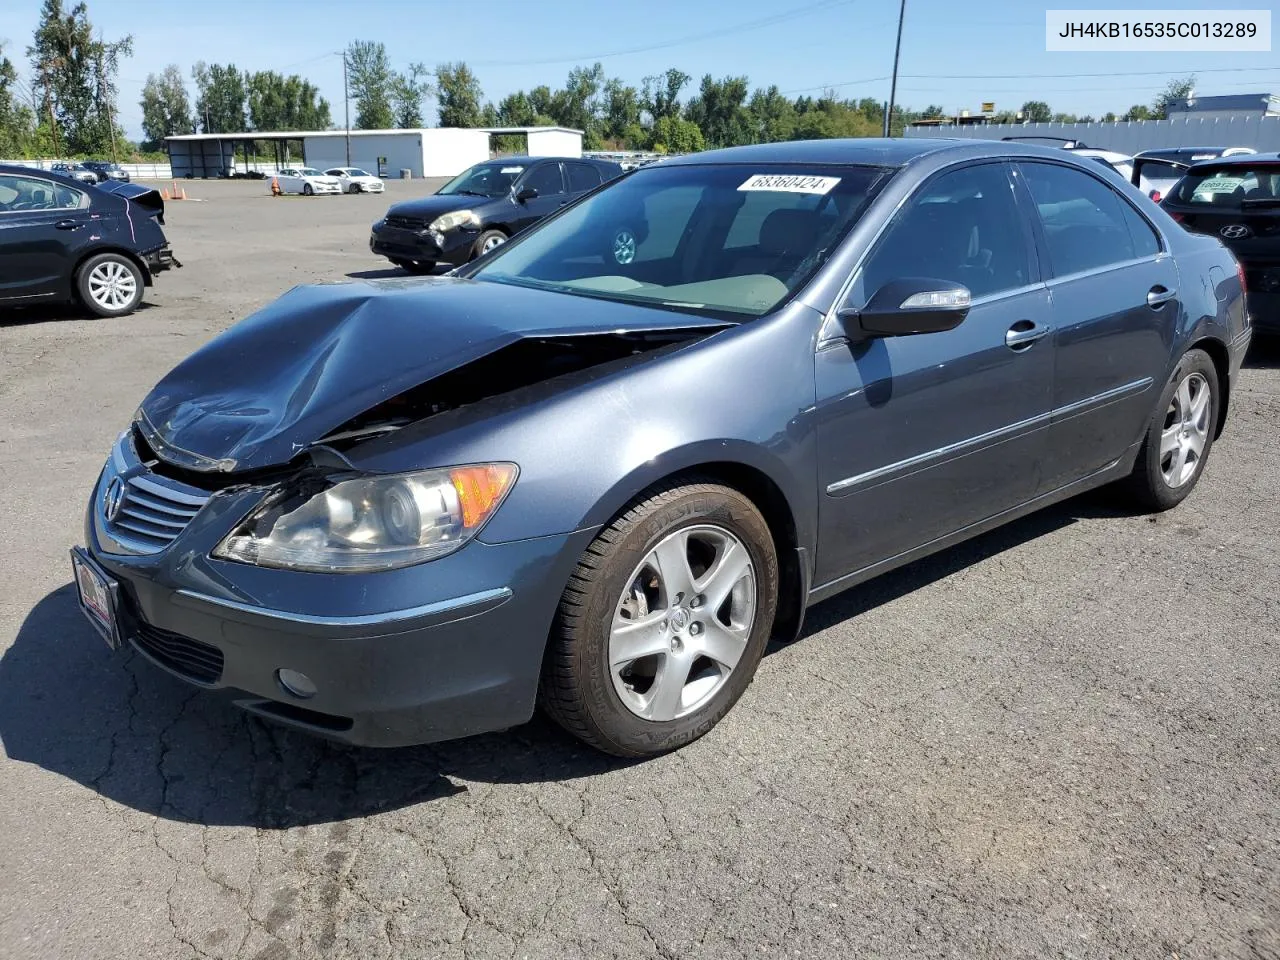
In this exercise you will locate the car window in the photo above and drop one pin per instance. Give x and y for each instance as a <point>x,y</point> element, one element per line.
<point>335,173</point>
<point>745,229</point>
<point>1230,185</point>
<point>309,172</point>
<point>1084,220</point>
<point>545,179</point>
<point>963,227</point>
<point>660,236</point>
<point>582,176</point>
<point>28,193</point>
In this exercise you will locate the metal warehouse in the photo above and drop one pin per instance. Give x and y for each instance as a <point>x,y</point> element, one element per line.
<point>424,152</point>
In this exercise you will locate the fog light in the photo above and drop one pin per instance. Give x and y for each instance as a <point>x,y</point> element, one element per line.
<point>296,684</point>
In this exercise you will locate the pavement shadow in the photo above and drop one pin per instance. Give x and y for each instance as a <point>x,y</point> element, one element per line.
<point>53,313</point>
<point>1264,353</point>
<point>122,727</point>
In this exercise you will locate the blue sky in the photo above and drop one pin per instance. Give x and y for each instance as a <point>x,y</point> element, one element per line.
<point>803,46</point>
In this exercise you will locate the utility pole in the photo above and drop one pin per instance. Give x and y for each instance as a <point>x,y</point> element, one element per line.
<point>893,84</point>
<point>346,105</point>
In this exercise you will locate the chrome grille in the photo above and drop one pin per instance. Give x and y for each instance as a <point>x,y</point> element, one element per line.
<point>151,510</point>
<point>406,223</point>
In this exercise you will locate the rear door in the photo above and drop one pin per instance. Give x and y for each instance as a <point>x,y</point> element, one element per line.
<point>579,178</point>
<point>1115,313</point>
<point>547,179</point>
<point>43,223</point>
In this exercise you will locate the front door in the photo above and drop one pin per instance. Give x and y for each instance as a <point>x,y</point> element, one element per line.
<point>1115,309</point>
<point>548,181</point>
<point>921,436</point>
<point>42,224</point>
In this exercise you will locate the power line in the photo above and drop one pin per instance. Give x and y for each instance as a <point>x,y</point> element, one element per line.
<point>691,38</point>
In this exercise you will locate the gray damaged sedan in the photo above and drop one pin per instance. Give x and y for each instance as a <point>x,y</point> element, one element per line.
<point>598,468</point>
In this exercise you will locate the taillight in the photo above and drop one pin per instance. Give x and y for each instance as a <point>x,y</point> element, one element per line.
<point>1240,274</point>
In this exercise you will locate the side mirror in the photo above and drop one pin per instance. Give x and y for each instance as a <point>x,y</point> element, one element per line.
<point>909,306</point>
<point>526,193</point>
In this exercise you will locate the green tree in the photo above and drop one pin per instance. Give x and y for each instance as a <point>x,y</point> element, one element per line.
<point>1036,111</point>
<point>1065,118</point>
<point>75,78</point>
<point>285,103</point>
<point>459,95</point>
<point>540,98</point>
<point>620,110</point>
<point>1139,112</point>
<point>660,94</point>
<point>578,104</point>
<point>1109,117</point>
<point>17,126</point>
<point>1175,91</point>
<point>720,112</point>
<point>221,97</point>
<point>515,110</point>
<point>676,135</point>
<point>771,115</point>
<point>370,79</point>
<point>408,89</point>
<point>166,110</point>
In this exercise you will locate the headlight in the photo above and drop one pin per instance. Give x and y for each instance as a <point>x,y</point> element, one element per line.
<point>459,218</point>
<point>371,523</point>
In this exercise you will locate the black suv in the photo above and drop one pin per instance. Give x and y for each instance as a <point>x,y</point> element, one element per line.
<point>483,207</point>
<point>1237,199</point>
<point>107,170</point>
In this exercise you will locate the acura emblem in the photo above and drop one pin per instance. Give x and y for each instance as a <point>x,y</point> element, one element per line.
<point>1234,231</point>
<point>113,500</point>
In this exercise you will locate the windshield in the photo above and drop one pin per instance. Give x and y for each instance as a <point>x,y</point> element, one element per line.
<point>309,172</point>
<point>484,180</point>
<point>1231,185</point>
<point>736,239</point>
<point>356,172</point>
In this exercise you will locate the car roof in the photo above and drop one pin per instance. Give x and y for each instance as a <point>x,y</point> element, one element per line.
<point>529,161</point>
<point>1181,153</point>
<point>1236,160</point>
<point>19,170</point>
<point>869,151</point>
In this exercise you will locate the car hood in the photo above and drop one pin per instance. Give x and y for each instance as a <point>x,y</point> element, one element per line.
<point>437,204</point>
<point>147,198</point>
<point>276,383</point>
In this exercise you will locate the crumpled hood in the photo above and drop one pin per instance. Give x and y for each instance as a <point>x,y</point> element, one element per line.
<point>263,391</point>
<point>437,204</point>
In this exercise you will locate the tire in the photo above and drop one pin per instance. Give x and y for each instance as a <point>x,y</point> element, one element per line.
<point>1179,437</point>
<point>355,188</point>
<point>488,241</point>
<point>307,191</point>
<point>625,709</point>
<point>415,266</point>
<point>110,285</point>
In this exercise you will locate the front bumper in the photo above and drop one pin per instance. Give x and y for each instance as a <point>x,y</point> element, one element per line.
<point>400,243</point>
<point>445,649</point>
<point>162,259</point>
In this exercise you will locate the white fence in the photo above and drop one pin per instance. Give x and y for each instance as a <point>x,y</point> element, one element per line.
<point>137,171</point>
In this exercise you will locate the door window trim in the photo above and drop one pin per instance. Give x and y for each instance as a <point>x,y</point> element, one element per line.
<point>83,203</point>
<point>830,331</point>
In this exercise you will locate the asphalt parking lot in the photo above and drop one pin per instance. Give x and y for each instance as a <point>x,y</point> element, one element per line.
<point>1058,740</point>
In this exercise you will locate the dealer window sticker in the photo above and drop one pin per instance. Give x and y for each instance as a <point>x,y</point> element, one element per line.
<point>512,169</point>
<point>790,183</point>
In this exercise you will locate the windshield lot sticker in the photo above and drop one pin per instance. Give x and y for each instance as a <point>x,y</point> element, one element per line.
<point>1219,184</point>
<point>790,183</point>
<point>512,169</point>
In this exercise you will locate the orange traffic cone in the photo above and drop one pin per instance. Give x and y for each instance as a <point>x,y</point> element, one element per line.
<point>165,193</point>
<point>182,193</point>
<point>275,186</point>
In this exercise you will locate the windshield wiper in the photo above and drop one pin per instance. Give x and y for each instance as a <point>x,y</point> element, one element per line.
<point>472,193</point>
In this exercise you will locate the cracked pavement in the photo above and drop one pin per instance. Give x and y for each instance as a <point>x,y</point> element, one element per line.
<point>1057,740</point>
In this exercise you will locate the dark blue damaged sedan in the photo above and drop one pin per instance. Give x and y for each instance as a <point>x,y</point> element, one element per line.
<point>598,468</point>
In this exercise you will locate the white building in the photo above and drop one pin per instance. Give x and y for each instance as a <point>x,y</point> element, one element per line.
<point>424,152</point>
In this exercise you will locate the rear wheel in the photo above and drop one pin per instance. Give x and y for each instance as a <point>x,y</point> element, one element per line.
<point>110,285</point>
<point>663,622</point>
<point>1179,436</point>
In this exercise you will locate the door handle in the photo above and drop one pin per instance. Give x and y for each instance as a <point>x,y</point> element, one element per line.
<point>68,225</point>
<point>1158,296</point>
<point>1023,334</point>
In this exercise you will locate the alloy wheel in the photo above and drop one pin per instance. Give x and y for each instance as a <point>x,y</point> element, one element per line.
<point>682,622</point>
<point>492,242</point>
<point>112,285</point>
<point>1186,430</point>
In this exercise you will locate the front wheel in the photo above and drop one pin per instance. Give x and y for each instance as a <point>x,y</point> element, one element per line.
<point>110,285</point>
<point>307,191</point>
<point>489,240</point>
<point>354,188</point>
<point>1180,435</point>
<point>663,622</point>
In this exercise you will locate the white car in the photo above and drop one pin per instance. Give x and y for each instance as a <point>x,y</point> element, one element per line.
<point>355,180</point>
<point>1122,163</point>
<point>307,180</point>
